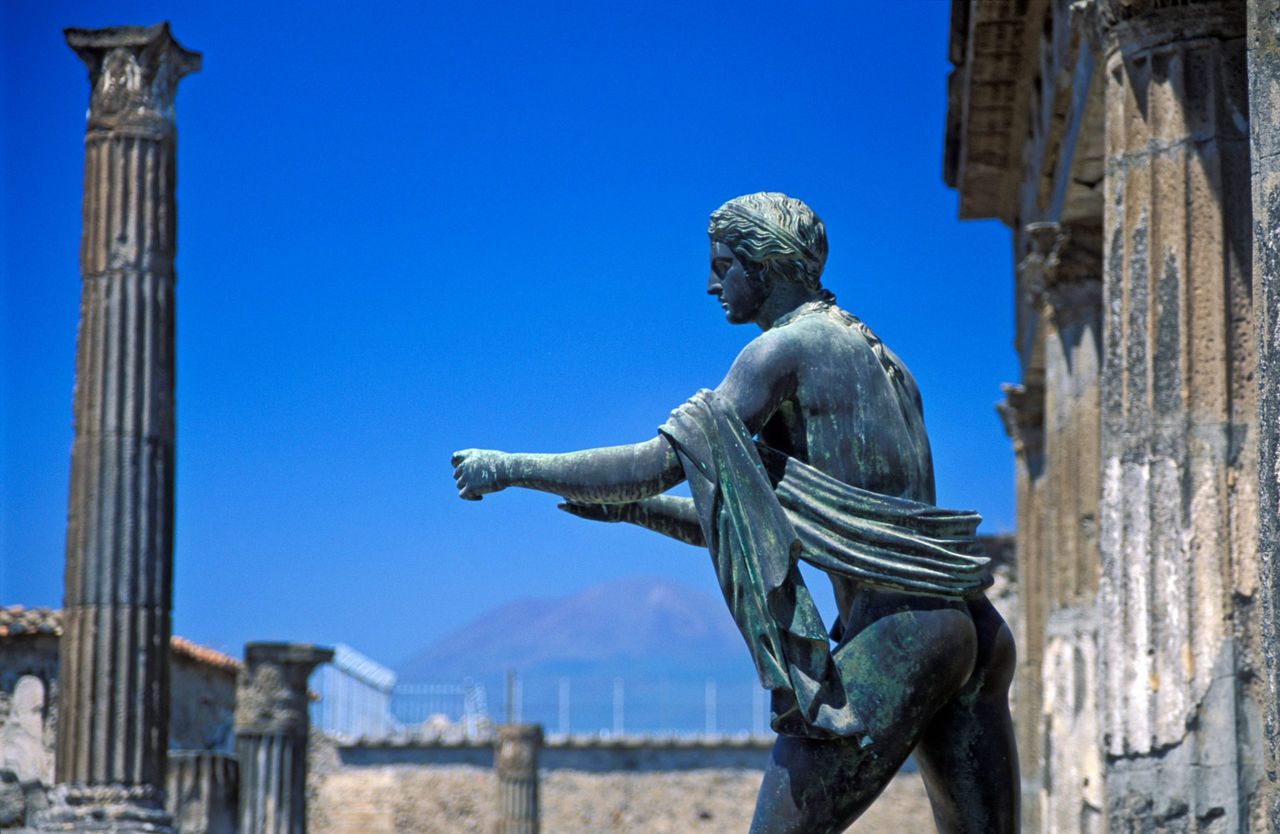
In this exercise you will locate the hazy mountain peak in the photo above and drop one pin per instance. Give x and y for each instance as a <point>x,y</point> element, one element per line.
<point>641,621</point>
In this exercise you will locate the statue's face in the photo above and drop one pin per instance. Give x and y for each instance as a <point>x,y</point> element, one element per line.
<point>740,294</point>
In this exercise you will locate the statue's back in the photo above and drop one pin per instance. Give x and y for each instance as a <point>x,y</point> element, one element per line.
<point>856,412</point>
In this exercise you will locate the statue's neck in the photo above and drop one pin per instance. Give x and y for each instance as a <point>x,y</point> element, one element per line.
<point>784,298</point>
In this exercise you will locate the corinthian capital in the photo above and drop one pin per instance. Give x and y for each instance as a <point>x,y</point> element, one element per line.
<point>1022,413</point>
<point>134,73</point>
<point>1037,267</point>
<point>271,695</point>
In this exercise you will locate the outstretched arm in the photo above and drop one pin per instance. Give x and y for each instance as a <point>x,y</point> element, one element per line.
<point>608,475</point>
<point>761,377</point>
<point>669,515</point>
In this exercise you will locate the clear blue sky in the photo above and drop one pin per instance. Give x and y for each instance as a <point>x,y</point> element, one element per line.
<point>405,230</point>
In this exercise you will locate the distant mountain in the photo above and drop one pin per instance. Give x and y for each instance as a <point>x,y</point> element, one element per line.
<point>641,626</point>
<point>645,654</point>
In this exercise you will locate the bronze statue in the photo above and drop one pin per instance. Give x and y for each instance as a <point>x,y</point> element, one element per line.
<point>814,448</point>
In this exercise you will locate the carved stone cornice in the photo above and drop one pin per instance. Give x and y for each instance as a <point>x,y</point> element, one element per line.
<point>133,75</point>
<point>1061,273</point>
<point>1041,261</point>
<point>1133,25</point>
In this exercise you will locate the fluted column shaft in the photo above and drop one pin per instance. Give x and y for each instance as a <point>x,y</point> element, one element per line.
<point>516,768</point>
<point>1023,414</point>
<point>114,707</point>
<point>271,736</point>
<point>1264,128</point>
<point>1067,295</point>
<point>1178,399</point>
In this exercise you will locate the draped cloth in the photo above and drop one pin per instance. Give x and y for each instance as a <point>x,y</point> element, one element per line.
<point>762,511</point>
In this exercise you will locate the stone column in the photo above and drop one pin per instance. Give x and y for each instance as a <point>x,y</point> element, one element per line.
<point>271,735</point>
<point>1264,129</point>
<point>203,792</point>
<point>515,763</point>
<point>1071,305</point>
<point>1178,620</point>
<point>113,726</point>
<point>1023,416</point>
<point>1069,299</point>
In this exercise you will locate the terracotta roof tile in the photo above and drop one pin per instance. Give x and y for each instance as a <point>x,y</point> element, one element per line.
<point>203,654</point>
<point>18,621</point>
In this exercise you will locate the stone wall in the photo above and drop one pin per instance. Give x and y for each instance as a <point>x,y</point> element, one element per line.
<point>28,664</point>
<point>383,795</point>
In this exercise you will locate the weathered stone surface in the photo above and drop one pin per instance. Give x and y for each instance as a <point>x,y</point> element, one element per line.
<point>1264,128</point>
<point>13,801</point>
<point>459,799</point>
<point>114,710</point>
<point>271,736</point>
<point>1023,414</point>
<point>22,742</point>
<point>1177,523</point>
<point>1136,146</point>
<point>1071,797</point>
<point>203,792</point>
<point>515,764</point>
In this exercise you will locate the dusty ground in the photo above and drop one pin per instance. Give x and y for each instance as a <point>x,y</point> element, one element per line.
<point>459,800</point>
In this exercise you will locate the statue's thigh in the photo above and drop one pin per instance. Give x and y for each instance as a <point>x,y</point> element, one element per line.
<point>898,671</point>
<point>967,754</point>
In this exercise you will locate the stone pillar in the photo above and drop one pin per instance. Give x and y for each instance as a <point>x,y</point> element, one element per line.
<point>1264,128</point>
<point>113,727</point>
<point>1178,621</point>
<point>1023,416</point>
<point>203,792</point>
<point>515,763</point>
<point>1068,296</point>
<point>271,735</point>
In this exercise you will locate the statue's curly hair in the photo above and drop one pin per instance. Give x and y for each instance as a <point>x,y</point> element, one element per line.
<point>780,233</point>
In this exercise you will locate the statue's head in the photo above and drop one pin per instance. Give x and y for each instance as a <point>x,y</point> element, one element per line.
<point>775,236</point>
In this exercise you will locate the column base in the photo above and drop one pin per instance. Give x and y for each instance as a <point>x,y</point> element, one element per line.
<point>118,809</point>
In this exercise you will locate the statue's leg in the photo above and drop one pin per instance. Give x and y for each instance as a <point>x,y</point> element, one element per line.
<point>898,669</point>
<point>967,755</point>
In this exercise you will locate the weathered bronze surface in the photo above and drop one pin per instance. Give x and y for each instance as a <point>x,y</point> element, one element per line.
<point>814,448</point>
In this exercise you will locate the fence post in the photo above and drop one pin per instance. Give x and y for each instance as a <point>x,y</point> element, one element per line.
<point>515,763</point>
<point>564,706</point>
<point>617,707</point>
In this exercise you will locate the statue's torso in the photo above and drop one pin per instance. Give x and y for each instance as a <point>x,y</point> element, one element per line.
<point>855,414</point>
<point>848,414</point>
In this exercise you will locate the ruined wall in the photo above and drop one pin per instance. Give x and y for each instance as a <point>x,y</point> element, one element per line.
<point>202,705</point>
<point>29,663</point>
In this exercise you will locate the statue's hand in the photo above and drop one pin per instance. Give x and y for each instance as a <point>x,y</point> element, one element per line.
<point>479,472</point>
<point>612,513</point>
